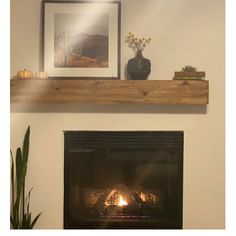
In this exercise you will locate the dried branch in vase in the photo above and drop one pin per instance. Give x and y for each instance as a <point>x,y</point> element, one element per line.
<point>137,43</point>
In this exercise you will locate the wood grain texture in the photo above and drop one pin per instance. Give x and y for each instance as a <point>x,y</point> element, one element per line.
<point>109,91</point>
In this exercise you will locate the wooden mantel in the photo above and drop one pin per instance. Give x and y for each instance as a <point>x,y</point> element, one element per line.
<point>109,91</point>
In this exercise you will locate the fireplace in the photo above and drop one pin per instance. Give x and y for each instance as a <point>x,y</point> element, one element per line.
<point>123,179</point>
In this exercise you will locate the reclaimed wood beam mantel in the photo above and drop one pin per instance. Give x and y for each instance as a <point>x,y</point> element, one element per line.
<point>110,91</point>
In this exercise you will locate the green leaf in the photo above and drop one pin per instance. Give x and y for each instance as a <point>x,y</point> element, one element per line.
<point>29,200</point>
<point>35,220</point>
<point>18,168</point>
<point>23,220</point>
<point>26,222</point>
<point>16,210</point>
<point>18,185</point>
<point>19,188</point>
<point>23,223</point>
<point>29,221</point>
<point>26,145</point>
<point>11,220</point>
<point>20,178</point>
<point>25,161</point>
<point>12,179</point>
<point>13,223</point>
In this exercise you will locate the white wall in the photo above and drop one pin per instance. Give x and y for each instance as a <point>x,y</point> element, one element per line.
<point>183,32</point>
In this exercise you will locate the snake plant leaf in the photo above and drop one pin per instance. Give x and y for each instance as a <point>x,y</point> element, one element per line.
<point>29,200</point>
<point>19,185</point>
<point>16,211</point>
<point>19,163</point>
<point>29,221</point>
<point>15,214</point>
<point>24,219</point>
<point>26,145</point>
<point>23,222</point>
<point>19,218</point>
<point>35,220</point>
<point>13,217</point>
<point>12,179</point>
<point>25,153</point>
<point>14,223</point>
<point>21,169</point>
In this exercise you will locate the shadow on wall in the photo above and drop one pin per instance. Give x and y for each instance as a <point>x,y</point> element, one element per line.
<point>117,108</point>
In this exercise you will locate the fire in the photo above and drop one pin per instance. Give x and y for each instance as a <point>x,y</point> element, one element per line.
<point>143,196</point>
<point>115,199</point>
<point>149,197</point>
<point>122,202</point>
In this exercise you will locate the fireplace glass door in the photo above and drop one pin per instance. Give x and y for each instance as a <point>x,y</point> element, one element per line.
<point>123,179</point>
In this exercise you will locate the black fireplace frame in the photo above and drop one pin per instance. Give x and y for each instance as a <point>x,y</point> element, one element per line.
<point>173,141</point>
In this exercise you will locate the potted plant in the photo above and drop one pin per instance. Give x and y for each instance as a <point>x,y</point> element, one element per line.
<point>21,217</point>
<point>189,73</point>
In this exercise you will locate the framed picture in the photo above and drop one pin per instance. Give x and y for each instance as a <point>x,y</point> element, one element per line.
<point>81,39</point>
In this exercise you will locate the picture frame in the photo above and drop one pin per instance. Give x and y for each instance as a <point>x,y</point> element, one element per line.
<point>81,39</point>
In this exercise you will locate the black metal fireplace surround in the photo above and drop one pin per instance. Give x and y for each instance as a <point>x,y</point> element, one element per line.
<point>123,180</point>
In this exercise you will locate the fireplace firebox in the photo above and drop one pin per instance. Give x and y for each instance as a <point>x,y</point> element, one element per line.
<point>123,179</point>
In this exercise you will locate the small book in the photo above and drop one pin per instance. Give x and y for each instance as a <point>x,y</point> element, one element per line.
<point>188,78</point>
<point>190,74</point>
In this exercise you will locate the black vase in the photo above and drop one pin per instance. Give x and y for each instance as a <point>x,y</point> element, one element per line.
<point>139,67</point>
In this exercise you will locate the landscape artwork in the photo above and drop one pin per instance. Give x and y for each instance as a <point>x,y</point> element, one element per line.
<point>81,40</point>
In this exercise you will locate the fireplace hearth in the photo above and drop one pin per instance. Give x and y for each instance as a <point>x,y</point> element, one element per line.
<point>123,179</point>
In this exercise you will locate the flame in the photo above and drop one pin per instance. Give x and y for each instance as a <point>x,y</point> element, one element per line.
<point>122,202</point>
<point>115,199</point>
<point>149,197</point>
<point>143,196</point>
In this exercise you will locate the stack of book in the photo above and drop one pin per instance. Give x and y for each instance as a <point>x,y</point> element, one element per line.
<point>194,75</point>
